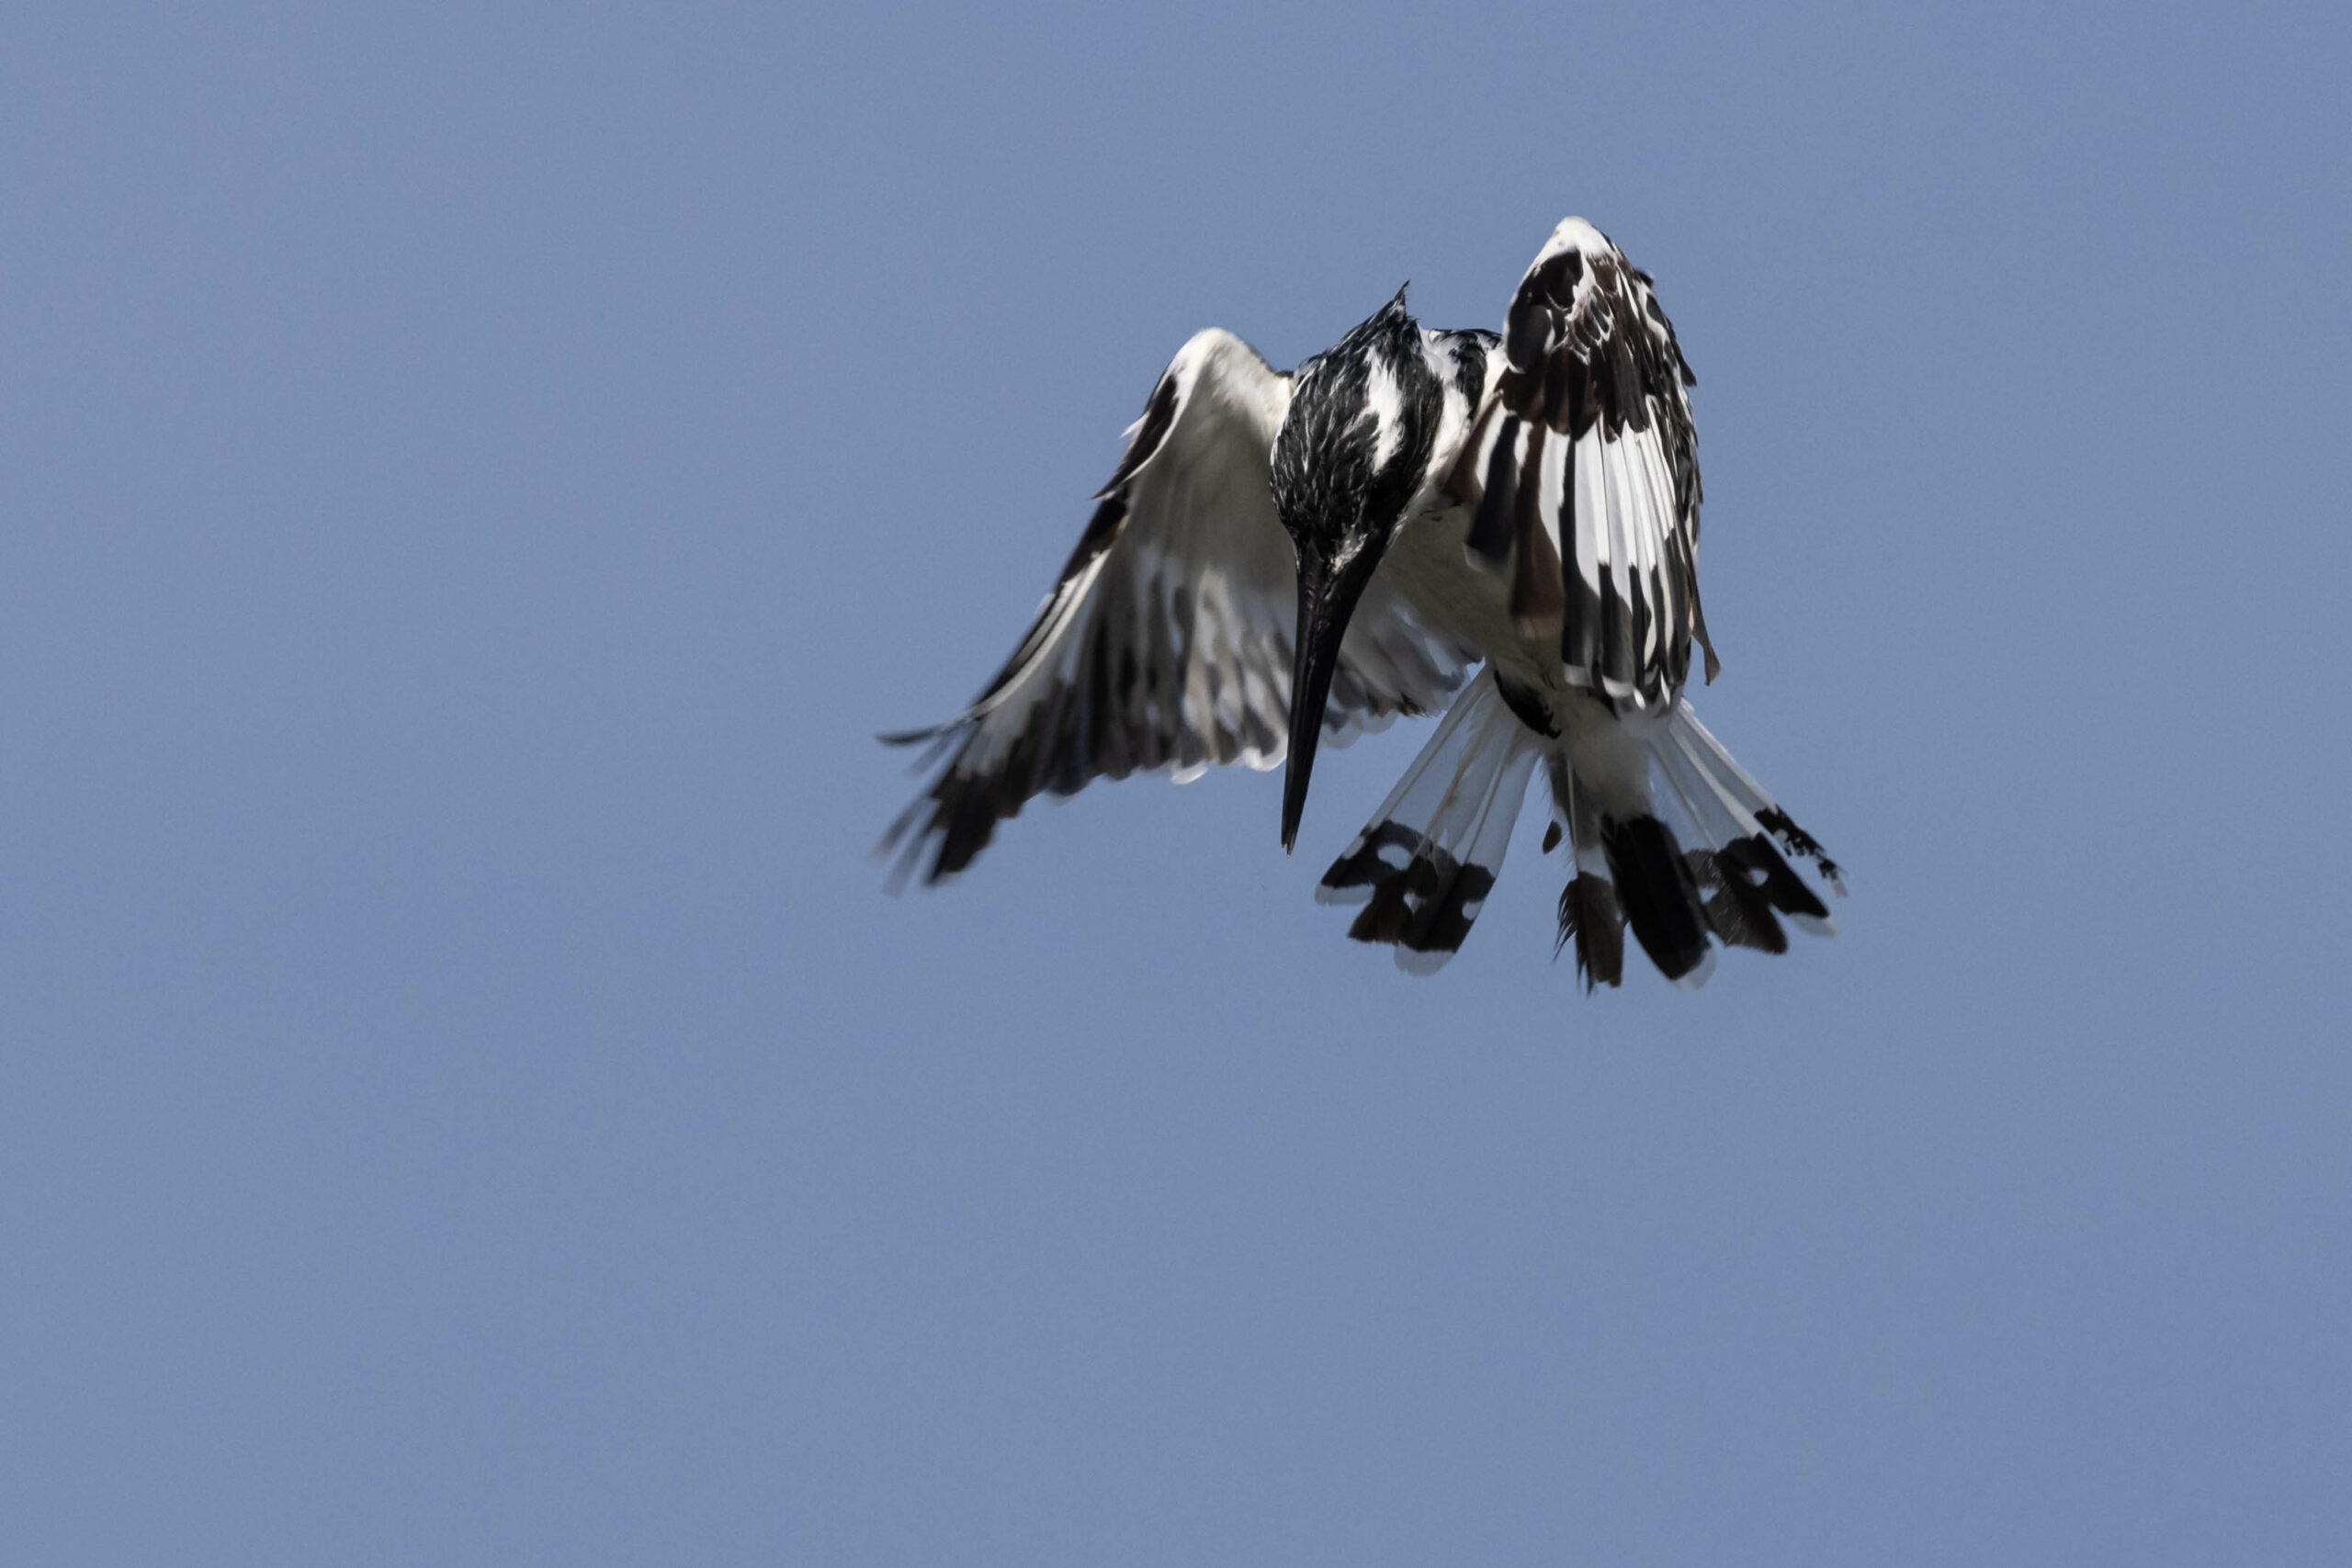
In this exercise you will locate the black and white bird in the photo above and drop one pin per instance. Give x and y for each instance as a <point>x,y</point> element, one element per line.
<point>1284,556</point>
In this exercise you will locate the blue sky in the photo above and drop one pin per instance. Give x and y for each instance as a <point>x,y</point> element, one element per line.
<point>474,483</point>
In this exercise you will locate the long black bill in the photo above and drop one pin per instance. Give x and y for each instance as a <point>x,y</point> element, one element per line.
<point>1327,598</point>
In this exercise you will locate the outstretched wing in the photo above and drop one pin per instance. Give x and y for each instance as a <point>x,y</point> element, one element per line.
<point>1166,646</point>
<point>1582,471</point>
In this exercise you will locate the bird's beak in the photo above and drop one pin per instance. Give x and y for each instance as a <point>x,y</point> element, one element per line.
<point>1327,598</point>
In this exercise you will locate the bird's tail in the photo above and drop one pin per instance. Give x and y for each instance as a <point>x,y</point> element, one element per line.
<point>1424,864</point>
<point>1668,834</point>
<point>1688,858</point>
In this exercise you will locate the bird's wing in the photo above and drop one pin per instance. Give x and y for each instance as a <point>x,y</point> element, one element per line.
<point>1167,643</point>
<point>1582,471</point>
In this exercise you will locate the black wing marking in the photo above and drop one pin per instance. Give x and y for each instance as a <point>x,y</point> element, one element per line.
<point>1166,645</point>
<point>1582,473</point>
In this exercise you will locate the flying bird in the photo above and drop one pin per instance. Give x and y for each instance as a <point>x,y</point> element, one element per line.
<point>1282,556</point>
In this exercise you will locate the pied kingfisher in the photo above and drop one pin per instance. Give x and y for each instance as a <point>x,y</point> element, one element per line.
<point>1279,554</point>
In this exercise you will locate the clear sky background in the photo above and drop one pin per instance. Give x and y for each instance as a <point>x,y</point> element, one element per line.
<point>472,481</point>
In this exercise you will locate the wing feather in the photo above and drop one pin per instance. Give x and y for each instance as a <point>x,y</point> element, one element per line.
<point>1587,447</point>
<point>1166,645</point>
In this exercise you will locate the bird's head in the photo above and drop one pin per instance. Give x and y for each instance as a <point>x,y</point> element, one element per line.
<point>1346,463</point>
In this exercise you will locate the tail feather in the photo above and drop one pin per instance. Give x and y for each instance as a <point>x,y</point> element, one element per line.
<point>1754,808</point>
<point>1668,835</point>
<point>1589,913</point>
<point>1738,822</point>
<point>1425,863</point>
<point>1661,899</point>
<point>1736,911</point>
<point>1692,864</point>
<point>1714,812</point>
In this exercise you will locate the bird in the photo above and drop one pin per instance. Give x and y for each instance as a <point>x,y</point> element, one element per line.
<point>1504,526</point>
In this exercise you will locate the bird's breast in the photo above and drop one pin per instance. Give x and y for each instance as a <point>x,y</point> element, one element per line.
<point>1429,563</point>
